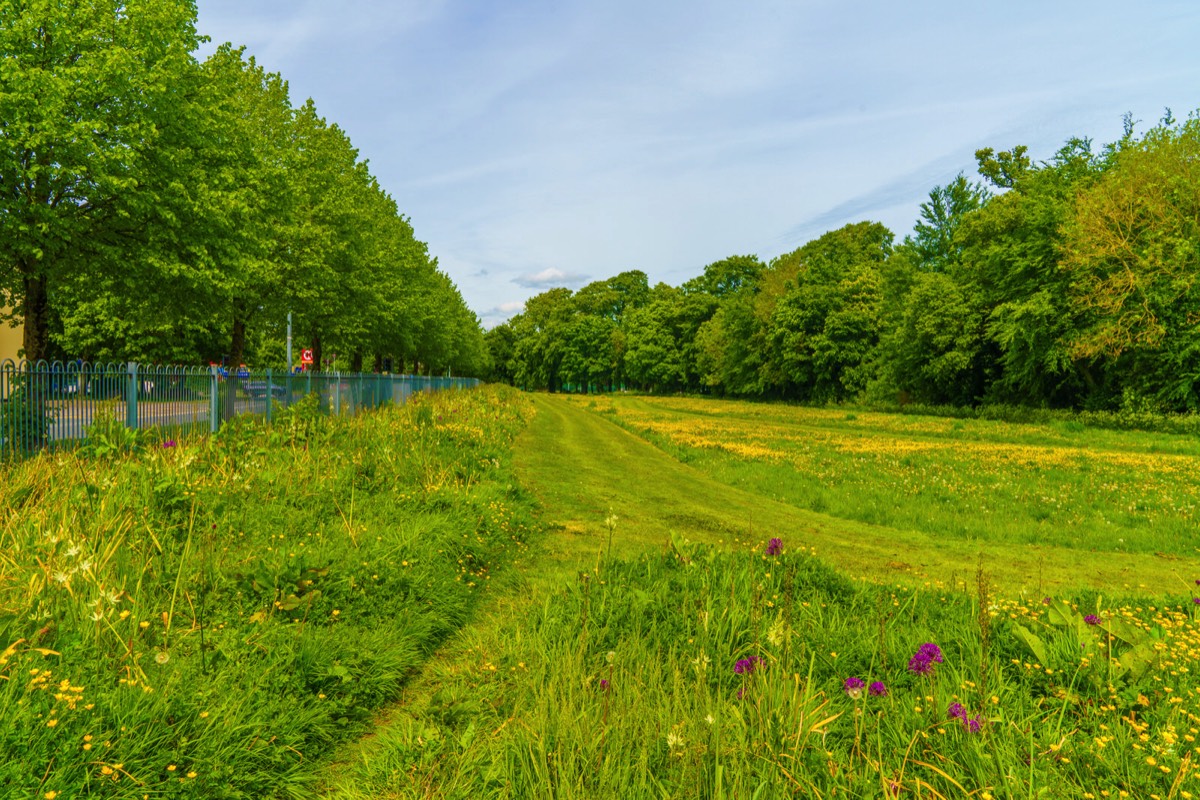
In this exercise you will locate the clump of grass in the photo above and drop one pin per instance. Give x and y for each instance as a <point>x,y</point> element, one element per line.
<point>204,617</point>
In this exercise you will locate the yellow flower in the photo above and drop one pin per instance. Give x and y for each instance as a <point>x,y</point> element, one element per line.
<point>191,774</point>
<point>50,795</point>
<point>170,767</point>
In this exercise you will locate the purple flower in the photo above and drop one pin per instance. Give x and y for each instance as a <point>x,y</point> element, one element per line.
<point>877,689</point>
<point>746,666</point>
<point>956,711</point>
<point>973,724</point>
<point>1092,619</point>
<point>169,443</point>
<point>775,546</point>
<point>1196,600</point>
<point>1046,601</point>
<point>604,684</point>
<point>923,660</point>
<point>741,692</point>
<point>854,687</point>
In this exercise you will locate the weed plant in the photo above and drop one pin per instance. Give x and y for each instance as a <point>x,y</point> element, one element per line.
<point>205,618</point>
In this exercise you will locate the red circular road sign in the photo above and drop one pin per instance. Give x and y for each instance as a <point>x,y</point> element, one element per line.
<point>306,357</point>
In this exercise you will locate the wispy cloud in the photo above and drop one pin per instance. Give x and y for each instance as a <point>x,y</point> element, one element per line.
<point>599,137</point>
<point>550,278</point>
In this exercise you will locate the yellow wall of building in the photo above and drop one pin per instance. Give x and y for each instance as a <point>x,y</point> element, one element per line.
<point>11,340</point>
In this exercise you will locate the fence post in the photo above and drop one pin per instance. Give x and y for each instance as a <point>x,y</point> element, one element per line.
<point>214,421</point>
<point>270,394</point>
<point>131,393</point>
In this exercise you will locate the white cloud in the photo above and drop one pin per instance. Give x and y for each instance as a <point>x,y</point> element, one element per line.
<point>550,278</point>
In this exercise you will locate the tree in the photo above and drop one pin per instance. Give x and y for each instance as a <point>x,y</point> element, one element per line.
<point>823,330</point>
<point>933,235</point>
<point>87,91</point>
<point>1132,254</point>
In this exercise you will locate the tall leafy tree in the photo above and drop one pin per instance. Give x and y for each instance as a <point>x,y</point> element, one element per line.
<point>88,90</point>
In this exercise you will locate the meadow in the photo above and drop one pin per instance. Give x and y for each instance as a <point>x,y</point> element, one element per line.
<point>1064,484</point>
<point>499,595</point>
<point>206,617</point>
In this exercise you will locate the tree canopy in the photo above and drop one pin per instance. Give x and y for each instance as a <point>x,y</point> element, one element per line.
<point>157,207</point>
<point>1068,282</point>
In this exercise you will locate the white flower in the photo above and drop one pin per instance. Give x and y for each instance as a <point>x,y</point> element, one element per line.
<point>114,596</point>
<point>612,656</point>
<point>700,663</point>
<point>61,577</point>
<point>674,740</point>
<point>73,550</point>
<point>84,566</point>
<point>97,615</point>
<point>709,719</point>
<point>162,657</point>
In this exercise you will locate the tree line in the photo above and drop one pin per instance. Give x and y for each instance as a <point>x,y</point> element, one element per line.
<point>162,208</point>
<point>1072,282</point>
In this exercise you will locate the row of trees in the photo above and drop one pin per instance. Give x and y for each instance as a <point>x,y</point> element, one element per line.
<point>1071,282</point>
<point>157,207</point>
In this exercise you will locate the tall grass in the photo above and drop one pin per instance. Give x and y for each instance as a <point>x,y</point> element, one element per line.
<point>204,618</point>
<point>700,674</point>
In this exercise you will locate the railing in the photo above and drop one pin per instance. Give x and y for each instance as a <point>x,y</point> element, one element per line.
<point>51,404</point>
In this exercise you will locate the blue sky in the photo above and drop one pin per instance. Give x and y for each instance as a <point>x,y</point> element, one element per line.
<point>536,144</point>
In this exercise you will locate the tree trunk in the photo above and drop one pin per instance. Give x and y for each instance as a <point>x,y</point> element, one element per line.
<point>316,348</point>
<point>356,361</point>
<point>237,341</point>
<point>378,363</point>
<point>36,342</point>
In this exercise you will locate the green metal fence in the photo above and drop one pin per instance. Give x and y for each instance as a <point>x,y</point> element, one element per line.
<point>53,404</point>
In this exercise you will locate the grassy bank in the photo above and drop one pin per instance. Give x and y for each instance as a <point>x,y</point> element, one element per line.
<point>205,618</point>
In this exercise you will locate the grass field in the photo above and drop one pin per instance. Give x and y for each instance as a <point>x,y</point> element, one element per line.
<point>376,614</point>
<point>206,618</point>
<point>700,665</point>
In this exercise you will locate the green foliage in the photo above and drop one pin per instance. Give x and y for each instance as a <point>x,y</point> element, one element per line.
<point>24,422</point>
<point>1067,284</point>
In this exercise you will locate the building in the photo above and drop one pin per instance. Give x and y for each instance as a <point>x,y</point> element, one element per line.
<point>11,340</point>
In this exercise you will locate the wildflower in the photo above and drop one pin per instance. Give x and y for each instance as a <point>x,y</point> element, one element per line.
<point>604,684</point>
<point>746,666</point>
<point>1045,601</point>
<point>853,687</point>
<point>956,711</point>
<point>923,660</point>
<point>877,689</point>
<point>974,724</point>
<point>162,657</point>
<point>1092,619</point>
<point>191,774</point>
<point>1196,600</point>
<point>674,740</point>
<point>61,577</point>
<point>741,693</point>
<point>168,443</point>
<point>775,546</point>
<point>611,657</point>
